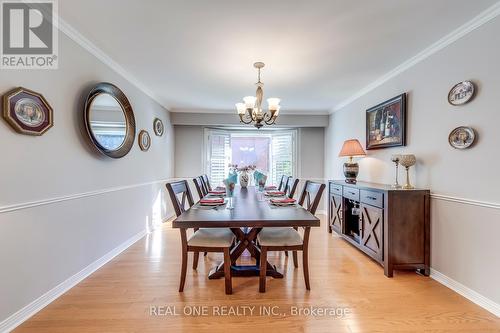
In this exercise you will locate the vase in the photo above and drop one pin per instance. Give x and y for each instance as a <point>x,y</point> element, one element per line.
<point>244,179</point>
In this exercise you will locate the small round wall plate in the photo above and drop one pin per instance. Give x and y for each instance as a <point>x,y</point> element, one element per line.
<point>158,127</point>
<point>144,140</point>
<point>461,93</point>
<point>462,137</point>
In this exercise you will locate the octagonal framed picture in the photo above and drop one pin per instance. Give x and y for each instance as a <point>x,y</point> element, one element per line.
<point>27,111</point>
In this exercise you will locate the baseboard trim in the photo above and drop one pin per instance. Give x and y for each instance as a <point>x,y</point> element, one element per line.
<point>466,292</point>
<point>29,310</point>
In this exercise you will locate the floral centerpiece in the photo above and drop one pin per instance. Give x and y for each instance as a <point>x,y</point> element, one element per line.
<point>243,172</point>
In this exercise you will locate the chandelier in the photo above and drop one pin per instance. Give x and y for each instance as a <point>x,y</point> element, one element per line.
<point>250,111</point>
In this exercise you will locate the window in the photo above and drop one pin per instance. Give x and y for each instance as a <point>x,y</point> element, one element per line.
<point>273,152</point>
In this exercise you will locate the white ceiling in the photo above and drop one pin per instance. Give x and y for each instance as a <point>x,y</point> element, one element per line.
<point>198,54</point>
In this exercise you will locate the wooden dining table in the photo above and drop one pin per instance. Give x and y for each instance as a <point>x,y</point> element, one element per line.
<point>245,220</point>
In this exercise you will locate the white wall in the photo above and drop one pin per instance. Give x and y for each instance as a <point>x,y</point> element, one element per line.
<point>189,146</point>
<point>464,234</point>
<point>62,206</point>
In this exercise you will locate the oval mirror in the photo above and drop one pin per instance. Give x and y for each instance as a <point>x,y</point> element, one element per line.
<point>109,120</point>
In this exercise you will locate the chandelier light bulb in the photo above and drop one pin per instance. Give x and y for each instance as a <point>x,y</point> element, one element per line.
<point>249,101</point>
<point>241,108</point>
<point>273,103</point>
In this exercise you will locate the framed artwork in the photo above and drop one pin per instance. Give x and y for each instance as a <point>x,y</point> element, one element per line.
<point>158,127</point>
<point>27,112</point>
<point>144,140</point>
<point>461,93</point>
<point>386,124</point>
<point>462,137</point>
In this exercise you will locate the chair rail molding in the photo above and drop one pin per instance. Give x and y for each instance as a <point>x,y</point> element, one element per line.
<point>48,201</point>
<point>464,201</point>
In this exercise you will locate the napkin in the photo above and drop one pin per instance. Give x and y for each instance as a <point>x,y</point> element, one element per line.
<point>217,191</point>
<point>212,201</point>
<point>275,193</point>
<point>285,200</point>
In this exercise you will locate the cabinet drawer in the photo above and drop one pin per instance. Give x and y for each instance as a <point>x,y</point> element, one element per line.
<point>351,193</point>
<point>372,198</point>
<point>335,189</point>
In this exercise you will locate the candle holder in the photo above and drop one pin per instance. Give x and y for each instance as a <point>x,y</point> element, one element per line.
<point>407,161</point>
<point>395,159</point>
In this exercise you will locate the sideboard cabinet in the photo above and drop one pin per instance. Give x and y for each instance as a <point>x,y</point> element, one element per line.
<point>390,225</point>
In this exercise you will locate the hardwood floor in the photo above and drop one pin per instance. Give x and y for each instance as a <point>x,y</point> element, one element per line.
<point>120,296</point>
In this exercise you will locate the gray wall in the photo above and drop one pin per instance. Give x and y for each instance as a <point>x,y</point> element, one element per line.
<point>465,226</point>
<point>62,206</point>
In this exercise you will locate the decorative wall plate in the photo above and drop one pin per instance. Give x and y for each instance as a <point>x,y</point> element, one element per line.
<point>158,127</point>
<point>461,93</point>
<point>28,112</point>
<point>462,137</point>
<point>144,140</point>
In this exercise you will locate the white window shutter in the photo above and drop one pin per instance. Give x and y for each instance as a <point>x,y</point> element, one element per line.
<point>219,156</point>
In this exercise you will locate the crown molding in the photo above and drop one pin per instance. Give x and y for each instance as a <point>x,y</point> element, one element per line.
<point>484,17</point>
<point>233,111</point>
<point>85,43</point>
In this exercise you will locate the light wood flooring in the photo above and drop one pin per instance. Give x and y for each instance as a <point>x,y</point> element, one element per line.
<point>121,296</point>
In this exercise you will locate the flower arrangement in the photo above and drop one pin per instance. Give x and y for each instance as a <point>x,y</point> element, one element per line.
<point>246,168</point>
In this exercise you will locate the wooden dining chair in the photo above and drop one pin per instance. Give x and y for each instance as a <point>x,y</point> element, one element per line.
<point>282,183</point>
<point>283,239</point>
<point>291,187</point>
<point>200,187</point>
<point>208,187</point>
<point>203,239</point>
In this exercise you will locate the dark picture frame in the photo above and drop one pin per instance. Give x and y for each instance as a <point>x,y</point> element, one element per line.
<point>27,111</point>
<point>386,124</point>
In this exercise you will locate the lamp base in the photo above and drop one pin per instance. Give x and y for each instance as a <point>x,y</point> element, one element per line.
<point>351,171</point>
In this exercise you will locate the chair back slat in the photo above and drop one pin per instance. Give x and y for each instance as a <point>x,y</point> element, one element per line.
<point>208,187</point>
<point>291,186</point>
<point>180,188</point>
<point>200,187</point>
<point>311,195</point>
<point>282,183</point>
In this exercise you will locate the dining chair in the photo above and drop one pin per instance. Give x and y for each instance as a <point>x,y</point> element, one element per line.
<point>203,239</point>
<point>208,187</point>
<point>291,187</point>
<point>283,239</point>
<point>282,183</point>
<point>200,187</point>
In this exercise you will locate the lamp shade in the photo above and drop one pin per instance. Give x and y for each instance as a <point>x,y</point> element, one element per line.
<point>352,148</point>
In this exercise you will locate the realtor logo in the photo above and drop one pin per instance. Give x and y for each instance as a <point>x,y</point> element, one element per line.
<point>29,35</point>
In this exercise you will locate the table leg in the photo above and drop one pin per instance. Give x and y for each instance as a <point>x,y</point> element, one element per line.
<point>246,240</point>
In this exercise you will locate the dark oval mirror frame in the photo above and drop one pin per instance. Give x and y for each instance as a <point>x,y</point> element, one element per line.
<point>128,142</point>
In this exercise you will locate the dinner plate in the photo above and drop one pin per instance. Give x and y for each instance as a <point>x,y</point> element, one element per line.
<point>211,204</point>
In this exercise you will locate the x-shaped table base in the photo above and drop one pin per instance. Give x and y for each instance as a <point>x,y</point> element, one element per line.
<point>246,240</point>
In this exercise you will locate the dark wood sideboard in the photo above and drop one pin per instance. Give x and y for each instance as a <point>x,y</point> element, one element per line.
<point>390,225</point>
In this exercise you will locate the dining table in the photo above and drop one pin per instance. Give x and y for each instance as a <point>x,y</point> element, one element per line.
<point>251,211</point>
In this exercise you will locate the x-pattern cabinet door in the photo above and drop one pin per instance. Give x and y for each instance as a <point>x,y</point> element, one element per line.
<point>372,226</point>
<point>336,213</point>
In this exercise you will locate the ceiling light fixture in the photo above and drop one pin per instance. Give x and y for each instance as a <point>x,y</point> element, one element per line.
<point>250,111</point>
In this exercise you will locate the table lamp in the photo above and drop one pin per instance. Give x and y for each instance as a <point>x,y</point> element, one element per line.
<point>351,148</point>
